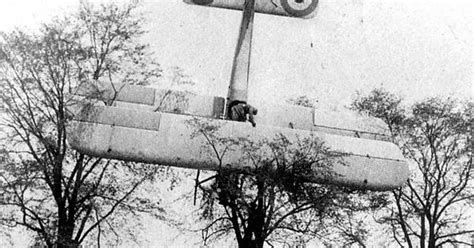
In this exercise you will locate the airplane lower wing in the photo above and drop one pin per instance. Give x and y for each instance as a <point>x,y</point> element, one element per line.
<point>165,138</point>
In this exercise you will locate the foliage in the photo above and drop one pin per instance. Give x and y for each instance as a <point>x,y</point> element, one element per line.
<point>271,200</point>
<point>303,101</point>
<point>383,105</point>
<point>435,135</point>
<point>61,195</point>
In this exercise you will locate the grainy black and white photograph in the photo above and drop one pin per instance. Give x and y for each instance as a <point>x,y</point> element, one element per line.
<point>236,123</point>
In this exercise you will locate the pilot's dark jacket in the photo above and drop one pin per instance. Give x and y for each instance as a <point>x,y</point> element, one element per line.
<point>240,111</point>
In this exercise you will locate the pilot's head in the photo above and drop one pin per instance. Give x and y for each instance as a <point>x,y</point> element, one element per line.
<point>254,111</point>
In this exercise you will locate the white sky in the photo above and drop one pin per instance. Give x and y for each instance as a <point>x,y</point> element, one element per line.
<point>417,48</point>
<point>414,47</point>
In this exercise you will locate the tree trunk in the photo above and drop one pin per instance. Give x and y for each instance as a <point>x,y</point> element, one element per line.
<point>251,243</point>
<point>431,237</point>
<point>254,233</point>
<point>65,234</point>
<point>65,240</point>
<point>423,231</point>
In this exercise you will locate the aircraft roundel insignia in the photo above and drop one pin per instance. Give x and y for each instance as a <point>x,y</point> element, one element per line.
<point>299,8</point>
<point>203,2</point>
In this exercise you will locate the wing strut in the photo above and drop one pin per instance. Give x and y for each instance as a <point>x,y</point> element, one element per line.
<point>238,88</point>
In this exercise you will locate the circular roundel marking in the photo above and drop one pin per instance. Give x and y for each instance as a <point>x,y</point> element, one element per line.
<point>203,2</point>
<point>299,8</point>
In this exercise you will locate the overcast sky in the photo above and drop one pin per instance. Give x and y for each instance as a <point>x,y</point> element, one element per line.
<point>417,48</point>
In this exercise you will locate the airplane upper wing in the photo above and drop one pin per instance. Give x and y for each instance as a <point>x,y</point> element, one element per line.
<point>278,115</point>
<point>293,8</point>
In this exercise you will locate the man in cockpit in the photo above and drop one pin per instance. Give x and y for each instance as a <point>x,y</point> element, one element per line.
<point>240,110</point>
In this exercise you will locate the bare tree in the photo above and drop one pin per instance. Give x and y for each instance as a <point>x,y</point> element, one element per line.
<point>435,135</point>
<point>61,195</point>
<point>272,201</point>
<point>350,229</point>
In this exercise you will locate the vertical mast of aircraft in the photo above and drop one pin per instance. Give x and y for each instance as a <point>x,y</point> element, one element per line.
<point>238,88</point>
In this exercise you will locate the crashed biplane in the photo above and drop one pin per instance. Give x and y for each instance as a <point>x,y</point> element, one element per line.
<point>133,130</point>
